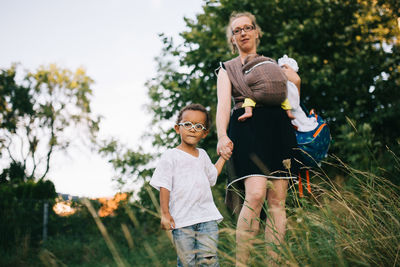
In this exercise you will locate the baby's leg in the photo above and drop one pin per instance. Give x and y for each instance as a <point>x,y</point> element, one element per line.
<point>290,114</point>
<point>248,113</point>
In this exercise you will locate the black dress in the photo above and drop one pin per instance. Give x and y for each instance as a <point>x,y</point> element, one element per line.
<point>264,145</point>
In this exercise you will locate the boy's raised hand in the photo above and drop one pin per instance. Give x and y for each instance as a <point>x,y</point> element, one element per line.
<point>167,222</point>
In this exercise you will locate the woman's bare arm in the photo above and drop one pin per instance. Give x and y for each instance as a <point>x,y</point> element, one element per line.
<point>224,87</point>
<point>292,76</point>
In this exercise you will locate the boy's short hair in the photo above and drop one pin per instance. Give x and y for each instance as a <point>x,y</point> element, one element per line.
<point>197,107</point>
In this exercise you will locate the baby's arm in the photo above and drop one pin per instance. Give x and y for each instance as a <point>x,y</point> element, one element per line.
<point>167,222</point>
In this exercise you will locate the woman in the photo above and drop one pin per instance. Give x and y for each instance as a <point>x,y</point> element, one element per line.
<point>262,146</point>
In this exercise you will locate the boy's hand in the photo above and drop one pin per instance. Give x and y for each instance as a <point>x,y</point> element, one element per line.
<point>167,222</point>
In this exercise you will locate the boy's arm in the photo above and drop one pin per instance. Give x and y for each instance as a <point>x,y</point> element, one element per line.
<point>167,222</point>
<point>220,164</point>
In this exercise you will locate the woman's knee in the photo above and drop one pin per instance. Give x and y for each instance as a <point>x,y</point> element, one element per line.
<point>256,190</point>
<point>255,198</point>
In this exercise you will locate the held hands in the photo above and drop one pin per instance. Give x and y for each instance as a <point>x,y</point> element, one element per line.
<point>225,147</point>
<point>167,222</point>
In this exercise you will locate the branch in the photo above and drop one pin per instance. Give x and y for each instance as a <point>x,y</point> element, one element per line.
<point>8,148</point>
<point>51,149</point>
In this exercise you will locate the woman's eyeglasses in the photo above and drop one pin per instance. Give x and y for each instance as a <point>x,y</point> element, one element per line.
<point>198,127</point>
<point>246,28</point>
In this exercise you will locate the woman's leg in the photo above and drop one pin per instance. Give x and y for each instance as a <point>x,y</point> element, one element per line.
<point>248,224</point>
<point>276,222</point>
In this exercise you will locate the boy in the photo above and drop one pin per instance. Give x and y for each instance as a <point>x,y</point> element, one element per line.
<point>184,177</point>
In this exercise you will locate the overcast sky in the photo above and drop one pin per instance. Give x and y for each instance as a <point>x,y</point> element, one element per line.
<point>116,42</point>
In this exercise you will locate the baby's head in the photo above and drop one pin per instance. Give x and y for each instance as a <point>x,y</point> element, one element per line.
<point>249,58</point>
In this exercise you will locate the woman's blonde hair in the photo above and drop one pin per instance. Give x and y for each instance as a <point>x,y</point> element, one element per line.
<point>229,34</point>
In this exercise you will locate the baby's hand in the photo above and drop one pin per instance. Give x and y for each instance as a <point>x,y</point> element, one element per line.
<point>248,113</point>
<point>167,222</point>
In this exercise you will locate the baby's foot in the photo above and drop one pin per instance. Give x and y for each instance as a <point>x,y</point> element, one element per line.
<point>248,113</point>
<point>290,114</point>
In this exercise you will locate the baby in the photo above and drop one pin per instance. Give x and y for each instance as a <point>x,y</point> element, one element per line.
<point>291,104</point>
<point>267,82</point>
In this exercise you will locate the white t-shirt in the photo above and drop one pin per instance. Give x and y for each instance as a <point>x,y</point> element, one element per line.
<point>189,180</point>
<point>302,122</point>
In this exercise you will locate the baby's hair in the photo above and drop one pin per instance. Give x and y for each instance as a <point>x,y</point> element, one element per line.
<point>197,107</point>
<point>249,58</point>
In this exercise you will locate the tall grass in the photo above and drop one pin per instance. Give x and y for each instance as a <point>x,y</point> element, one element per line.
<point>352,221</point>
<point>336,225</point>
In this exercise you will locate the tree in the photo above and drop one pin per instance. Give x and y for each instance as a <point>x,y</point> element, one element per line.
<point>40,115</point>
<point>14,101</point>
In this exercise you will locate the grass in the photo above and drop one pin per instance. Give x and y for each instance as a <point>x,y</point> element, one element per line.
<point>337,225</point>
<point>352,221</point>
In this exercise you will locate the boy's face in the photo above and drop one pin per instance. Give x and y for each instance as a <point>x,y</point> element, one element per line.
<point>191,137</point>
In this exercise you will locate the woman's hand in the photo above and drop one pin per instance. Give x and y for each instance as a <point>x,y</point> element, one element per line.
<point>291,75</point>
<point>167,222</point>
<point>225,147</point>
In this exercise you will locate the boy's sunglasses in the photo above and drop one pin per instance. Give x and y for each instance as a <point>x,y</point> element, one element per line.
<point>198,127</point>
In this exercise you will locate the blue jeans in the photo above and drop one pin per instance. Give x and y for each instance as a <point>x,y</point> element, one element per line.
<point>196,245</point>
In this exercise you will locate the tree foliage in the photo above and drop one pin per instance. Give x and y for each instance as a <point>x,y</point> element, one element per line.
<point>131,166</point>
<point>40,114</point>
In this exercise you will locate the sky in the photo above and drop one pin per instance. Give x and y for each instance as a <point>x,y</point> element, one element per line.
<point>116,42</point>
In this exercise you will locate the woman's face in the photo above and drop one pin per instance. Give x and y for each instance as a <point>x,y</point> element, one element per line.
<point>245,41</point>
